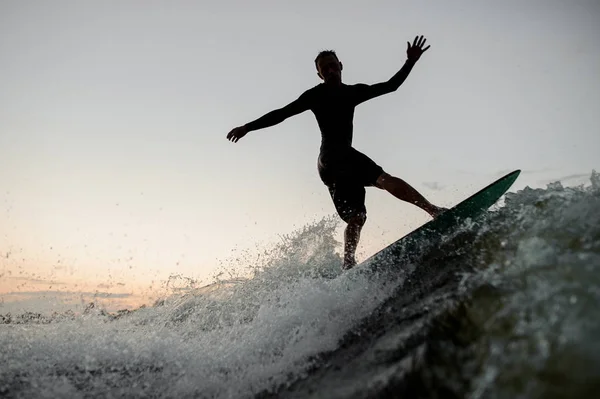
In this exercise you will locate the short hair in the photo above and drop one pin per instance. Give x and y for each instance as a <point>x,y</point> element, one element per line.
<point>322,54</point>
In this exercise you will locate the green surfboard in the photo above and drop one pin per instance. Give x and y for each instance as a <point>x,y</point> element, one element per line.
<point>433,230</point>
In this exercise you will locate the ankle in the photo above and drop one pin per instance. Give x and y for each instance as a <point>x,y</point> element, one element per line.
<point>349,262</point>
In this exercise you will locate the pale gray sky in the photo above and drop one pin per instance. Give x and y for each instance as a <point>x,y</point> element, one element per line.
<point>113,116</point>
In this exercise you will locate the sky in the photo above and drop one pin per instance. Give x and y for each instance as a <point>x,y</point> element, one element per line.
<point>115,172</point>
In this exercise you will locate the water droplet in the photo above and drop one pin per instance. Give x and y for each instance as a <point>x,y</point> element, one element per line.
<point>573,299</point>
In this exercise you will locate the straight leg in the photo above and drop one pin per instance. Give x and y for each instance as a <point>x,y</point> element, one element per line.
<point>405,192</point>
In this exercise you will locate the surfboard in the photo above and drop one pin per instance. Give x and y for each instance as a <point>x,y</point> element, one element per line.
<point>433,230</point>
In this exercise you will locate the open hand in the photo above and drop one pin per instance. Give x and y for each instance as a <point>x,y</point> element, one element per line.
<point>414,52</point>
<point>237,133</point>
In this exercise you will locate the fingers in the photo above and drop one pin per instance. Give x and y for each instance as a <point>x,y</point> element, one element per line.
<point>420,42</point>
<point>232,136</point>
<point>236,134</point>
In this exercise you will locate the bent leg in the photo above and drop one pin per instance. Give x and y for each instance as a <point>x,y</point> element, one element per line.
<point>351,238</point>
<point>405,192</point>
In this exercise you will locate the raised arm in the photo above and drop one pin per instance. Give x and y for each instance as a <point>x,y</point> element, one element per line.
<point>366,92</point>
<point>272,118</point>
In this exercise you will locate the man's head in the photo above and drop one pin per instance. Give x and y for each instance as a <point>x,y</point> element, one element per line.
<point>329,67</point>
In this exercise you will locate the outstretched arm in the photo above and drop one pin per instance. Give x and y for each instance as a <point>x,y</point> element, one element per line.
<point>413,53</point>
<point>272,118</point>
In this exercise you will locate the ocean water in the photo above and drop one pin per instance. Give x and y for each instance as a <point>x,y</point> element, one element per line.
<point>504,307</point>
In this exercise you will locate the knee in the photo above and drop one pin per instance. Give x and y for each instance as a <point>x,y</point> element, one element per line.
<point>357,220</point>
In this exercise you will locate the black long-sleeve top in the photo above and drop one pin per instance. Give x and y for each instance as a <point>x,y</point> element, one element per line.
<point>333,107</point>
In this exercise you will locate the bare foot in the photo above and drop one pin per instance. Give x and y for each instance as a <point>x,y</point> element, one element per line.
<point>438,211</point>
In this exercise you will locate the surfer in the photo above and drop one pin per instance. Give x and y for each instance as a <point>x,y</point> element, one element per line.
<point>343,169</point>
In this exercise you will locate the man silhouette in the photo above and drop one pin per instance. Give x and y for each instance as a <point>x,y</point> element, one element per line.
<point>344,170</point>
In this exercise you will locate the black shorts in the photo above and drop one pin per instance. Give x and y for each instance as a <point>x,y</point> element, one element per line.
<point>346,174</point>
